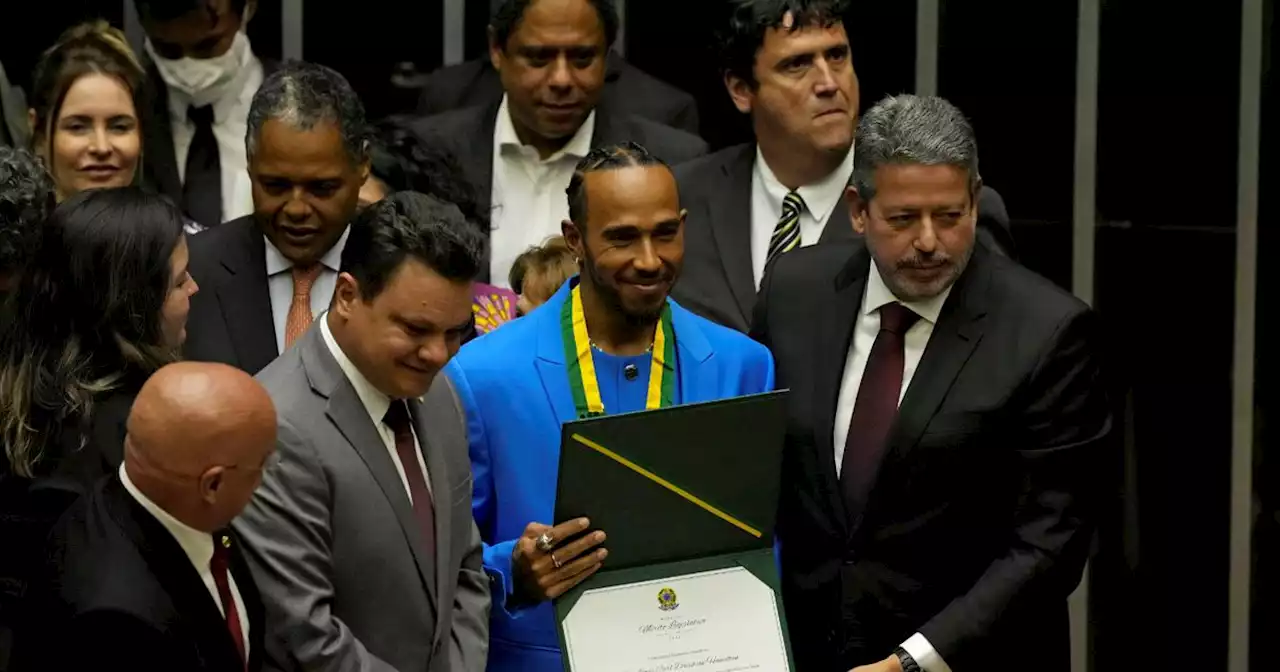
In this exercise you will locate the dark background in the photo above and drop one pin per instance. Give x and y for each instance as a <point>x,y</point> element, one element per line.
<point>1165,256</point>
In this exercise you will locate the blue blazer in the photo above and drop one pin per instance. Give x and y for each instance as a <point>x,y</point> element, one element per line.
<point>514,386</point>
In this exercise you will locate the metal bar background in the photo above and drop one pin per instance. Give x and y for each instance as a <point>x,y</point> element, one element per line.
<point>1084,246</point>
<point>1243,355</point>
<point>927,18</point>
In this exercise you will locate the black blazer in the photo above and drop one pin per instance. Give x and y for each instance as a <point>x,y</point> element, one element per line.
<point>230,319</point>
<point>29,508</point>
<point>468,136</point>
<point>160,158</point>
<point>980,519</point>
<point>717,282</point>
<point>125,596</point>
<point>626,87</point>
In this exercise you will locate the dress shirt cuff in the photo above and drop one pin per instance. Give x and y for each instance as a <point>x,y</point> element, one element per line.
<point>497,564</point>
<point>924,654</point>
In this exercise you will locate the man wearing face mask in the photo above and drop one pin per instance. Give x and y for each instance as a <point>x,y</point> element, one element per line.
<point>203,74</point>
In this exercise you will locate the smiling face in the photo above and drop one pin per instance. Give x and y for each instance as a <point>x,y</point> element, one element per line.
<point>96,141</point>
<point>552,68</point>
<point>632,242</point>
<point>401,337</point>
<point>919,226</point>
<point>306,188</point>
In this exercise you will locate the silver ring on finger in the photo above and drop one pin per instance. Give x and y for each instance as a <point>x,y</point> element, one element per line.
<point>555,561</point>
<point>545,543</point>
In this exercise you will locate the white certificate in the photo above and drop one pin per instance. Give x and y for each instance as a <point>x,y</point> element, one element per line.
<point>720,621</point>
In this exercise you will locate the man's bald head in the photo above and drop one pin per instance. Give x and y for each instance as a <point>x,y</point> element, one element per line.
<point>198,438</point>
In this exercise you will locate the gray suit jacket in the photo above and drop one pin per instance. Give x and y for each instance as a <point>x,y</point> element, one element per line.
<point>717,282</point>
<point>333,542</point>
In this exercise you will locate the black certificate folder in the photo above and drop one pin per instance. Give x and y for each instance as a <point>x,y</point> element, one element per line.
<point>680,491</point>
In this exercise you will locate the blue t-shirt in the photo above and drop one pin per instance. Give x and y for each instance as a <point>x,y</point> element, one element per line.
<point>619,394</point>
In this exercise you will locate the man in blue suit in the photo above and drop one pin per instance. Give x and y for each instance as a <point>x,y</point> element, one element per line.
<point>610,341</point>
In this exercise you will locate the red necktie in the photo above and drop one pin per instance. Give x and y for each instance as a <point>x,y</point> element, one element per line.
<point>875,408</point>
<point>219,565</point>
<point>397,418</point>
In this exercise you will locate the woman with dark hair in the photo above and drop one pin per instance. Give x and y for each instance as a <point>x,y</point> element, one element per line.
<point>102,305</point>
<point>400,161</point>
<point>84,109</point>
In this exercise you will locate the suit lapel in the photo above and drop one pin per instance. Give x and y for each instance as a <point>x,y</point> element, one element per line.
<point>839,226</point>
<point>474,151</point>
<point>161,158</point>
<point>252,599</point>
<point>695,366</point>
<point>350,417</point>
<point>831,349</point>
<point>442,496</point>
<point>550,362</point>
<point>195,612</point>
<point>957,333</point>
<point>729,211</point>
<point>245,298</point>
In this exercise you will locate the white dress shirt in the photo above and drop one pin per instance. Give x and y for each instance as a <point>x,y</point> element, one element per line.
<point>280,284</point>
<point>230,121</point>
<point>767,194</point>
<point>198,547</point>
<point>876,295</point>
<point>376,404</point>
<point>528,196</point>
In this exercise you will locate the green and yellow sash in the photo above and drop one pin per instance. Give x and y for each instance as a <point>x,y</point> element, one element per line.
<point>583,382</point>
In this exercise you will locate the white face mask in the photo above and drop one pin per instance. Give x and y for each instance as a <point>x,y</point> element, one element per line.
<point>203,79</point>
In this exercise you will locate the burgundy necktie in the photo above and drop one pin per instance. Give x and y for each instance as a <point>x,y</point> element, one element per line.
<point>875,408</point>
<point>397,418</point>
<point>219,565</point>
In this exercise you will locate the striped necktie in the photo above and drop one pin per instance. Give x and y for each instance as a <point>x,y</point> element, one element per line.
<point>786,235</point>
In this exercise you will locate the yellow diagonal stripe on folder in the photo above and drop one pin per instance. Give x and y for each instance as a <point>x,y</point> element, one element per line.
<point>668,485</point>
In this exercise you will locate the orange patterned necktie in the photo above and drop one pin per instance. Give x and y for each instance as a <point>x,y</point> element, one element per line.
<point>300,308</point>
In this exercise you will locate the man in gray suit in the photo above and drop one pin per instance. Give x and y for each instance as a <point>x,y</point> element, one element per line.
<point>361,537</point>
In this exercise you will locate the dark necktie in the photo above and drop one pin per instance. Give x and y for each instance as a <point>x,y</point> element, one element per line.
<point>219,566</point>
<point>875,408</point>
<point>786,235</point>
<point>202,182</point>
<point>397,418</point>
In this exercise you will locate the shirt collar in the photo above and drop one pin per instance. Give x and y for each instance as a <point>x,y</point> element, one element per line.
<point>577,147</point>
<point>820,198</point>
<point>878,295</point>
<point>332,260</point>
<point>196,544</point>
<point>375,402</point>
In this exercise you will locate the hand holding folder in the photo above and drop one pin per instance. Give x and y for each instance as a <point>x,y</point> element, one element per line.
<point>689,496</point>
<point>575,556</point>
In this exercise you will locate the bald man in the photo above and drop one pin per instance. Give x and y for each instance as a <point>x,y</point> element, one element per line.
<point>144,572</point>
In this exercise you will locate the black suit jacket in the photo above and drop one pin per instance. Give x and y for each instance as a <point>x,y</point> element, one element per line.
<point>125,596</point>
<point>626,87</point>
<point>160,158</point>
<point>230,319</point>
<point>717,282</point>
<point>980,518</point>
<point>468,136</point>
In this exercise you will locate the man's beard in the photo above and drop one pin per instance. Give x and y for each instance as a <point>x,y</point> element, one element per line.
<point>612,298</point>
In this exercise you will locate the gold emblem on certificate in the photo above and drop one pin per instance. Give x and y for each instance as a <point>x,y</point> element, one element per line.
<point>667,600</point>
